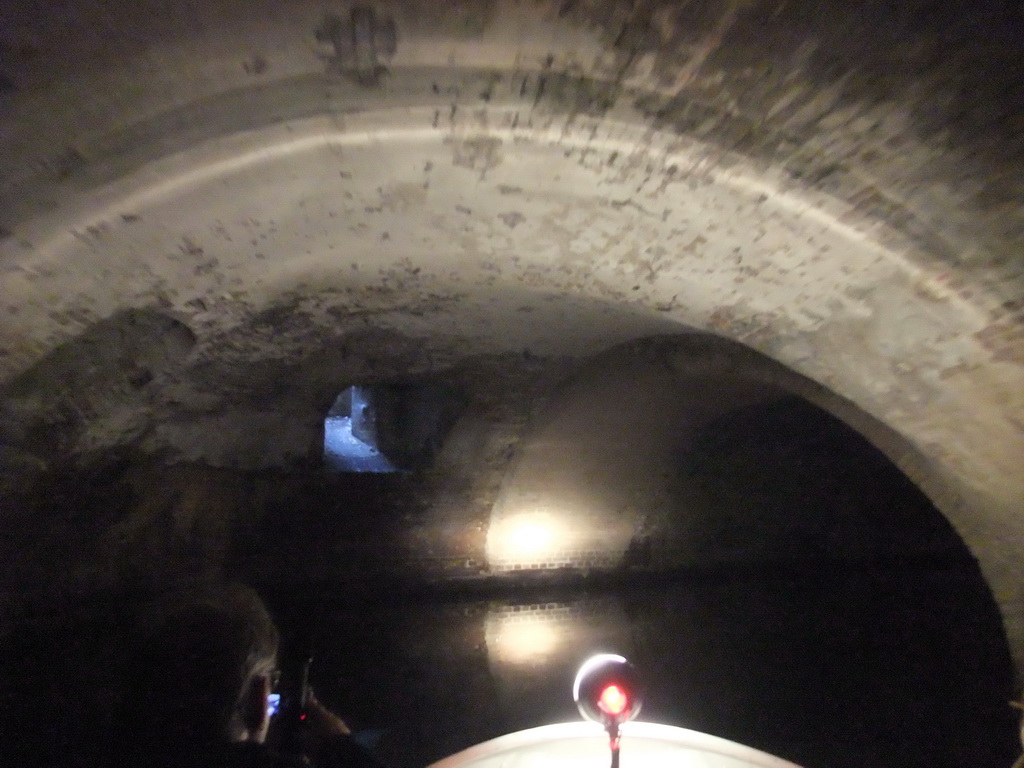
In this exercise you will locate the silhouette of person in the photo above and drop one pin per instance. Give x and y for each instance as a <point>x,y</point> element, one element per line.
<point>202,668</point>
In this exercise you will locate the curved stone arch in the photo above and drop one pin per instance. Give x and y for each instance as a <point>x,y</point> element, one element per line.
<point>718,376</point>
<point>890,132</point>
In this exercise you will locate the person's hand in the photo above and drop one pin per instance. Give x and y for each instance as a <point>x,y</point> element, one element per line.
<point>327,743</point>
<point>322,723</point>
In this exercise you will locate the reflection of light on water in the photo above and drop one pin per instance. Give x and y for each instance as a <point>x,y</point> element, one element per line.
<point>525,643</point>
<point>527,634</point>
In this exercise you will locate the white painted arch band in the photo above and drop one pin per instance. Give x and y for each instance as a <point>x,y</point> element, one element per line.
<point>583,744</point>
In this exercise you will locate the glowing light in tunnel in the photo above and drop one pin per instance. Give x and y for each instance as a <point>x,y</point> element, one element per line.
<point>590,665</point>
<point>532,539</point>
<point>613,700</point>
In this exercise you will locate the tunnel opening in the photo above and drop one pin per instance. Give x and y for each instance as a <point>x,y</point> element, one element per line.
<point>388,428</point>
<point>350,434</point>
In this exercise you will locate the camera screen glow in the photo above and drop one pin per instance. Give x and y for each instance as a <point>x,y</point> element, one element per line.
<point>273,704</point>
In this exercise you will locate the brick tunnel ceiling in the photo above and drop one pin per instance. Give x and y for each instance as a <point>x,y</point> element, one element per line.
<point>215,223</point>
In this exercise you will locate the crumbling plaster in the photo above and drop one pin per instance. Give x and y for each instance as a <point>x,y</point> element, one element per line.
<point>838,188</point>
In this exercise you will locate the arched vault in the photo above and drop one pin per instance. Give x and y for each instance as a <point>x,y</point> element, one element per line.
<point>301,195</point>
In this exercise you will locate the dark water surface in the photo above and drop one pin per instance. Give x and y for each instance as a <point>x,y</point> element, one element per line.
<point>846,665</point>
<point>842,665</point>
